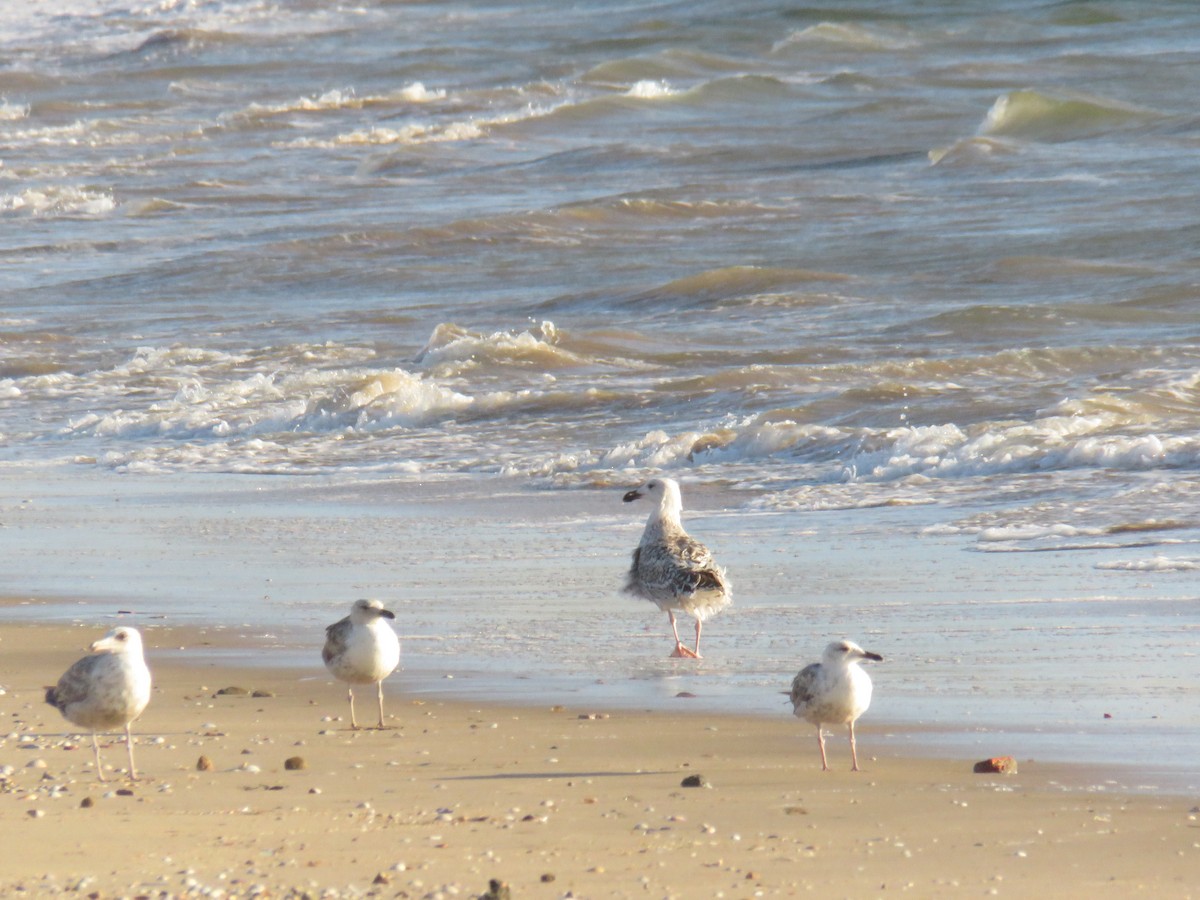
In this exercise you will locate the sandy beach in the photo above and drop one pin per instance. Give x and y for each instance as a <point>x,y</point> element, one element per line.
<point>552,800</point>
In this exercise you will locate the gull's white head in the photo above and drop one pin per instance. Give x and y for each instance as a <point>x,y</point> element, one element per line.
<point>664,490</point>
<point>844,653</point>
<point>120,640</point>
<point>364,612</point>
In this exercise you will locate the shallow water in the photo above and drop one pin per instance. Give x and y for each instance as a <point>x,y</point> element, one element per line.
<point>906,297</point>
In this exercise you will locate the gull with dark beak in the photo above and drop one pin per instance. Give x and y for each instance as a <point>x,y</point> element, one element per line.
<point>362,649</point>
<point>834,691</point>
<point>672,569</point>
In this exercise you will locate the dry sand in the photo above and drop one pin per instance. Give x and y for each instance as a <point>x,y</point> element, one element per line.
<point>556,802</point>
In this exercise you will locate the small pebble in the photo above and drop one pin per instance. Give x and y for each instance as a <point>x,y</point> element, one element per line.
<point>295,763</point>
<point>204,764</point>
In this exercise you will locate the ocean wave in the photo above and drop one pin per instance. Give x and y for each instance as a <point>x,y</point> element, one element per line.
<point>65,201</point>
<point>843,34</point>
<point>650,90</point>
<point>10,112</point>
<point>668,65</point>
<point>1154,564</point>
<point>334,100</point>
<point>728,283</point>
<point>1050,117</point>
<point>971,150</point>
<point>262,404</point>
<point>416,133</point>
<point>453,349</point>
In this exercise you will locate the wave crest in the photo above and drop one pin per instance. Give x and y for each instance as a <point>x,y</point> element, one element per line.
<point>455,347</point>
<point>1034,115</point>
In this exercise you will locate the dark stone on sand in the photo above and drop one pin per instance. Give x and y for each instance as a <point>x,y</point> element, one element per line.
<point>295,763</point>
<point>232,692</point>
<point>204,764</point>
<point>263,694</point>
<point>694,781</point>
<point>547,877</point>
<point>87,803</point>
<point>997,765</point>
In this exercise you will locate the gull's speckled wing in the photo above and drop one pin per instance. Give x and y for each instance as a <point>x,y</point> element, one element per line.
<point>76,683</point>
<point>804,686</point>
<point>337,636</point>
<point>675,566</point>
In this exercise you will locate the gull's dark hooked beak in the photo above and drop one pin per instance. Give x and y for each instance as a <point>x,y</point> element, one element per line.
<point>874,656</point>
<point>633,495</point>
<point>387,614</point>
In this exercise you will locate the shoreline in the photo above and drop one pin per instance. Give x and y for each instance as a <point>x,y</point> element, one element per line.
<point>556,800</point>
<point>195,648</point>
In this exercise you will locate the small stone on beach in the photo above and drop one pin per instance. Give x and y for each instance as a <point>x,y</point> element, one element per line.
<point>693,781</point>
<point>204,764</point>
<point>295,763</point>
<point>1000,765</point>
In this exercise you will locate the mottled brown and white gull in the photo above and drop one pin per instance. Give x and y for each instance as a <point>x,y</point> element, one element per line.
<point>671,568</point>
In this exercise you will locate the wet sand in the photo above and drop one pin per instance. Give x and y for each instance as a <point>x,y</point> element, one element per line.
<point>555,801</point>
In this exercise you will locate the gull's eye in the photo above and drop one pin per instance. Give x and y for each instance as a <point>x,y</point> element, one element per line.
<point>121,635</point>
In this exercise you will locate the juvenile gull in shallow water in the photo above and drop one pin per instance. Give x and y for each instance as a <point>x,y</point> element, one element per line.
<point>106,690</point>
<point>671,568</point>
<point>835,691</point>
<point>362,649</point>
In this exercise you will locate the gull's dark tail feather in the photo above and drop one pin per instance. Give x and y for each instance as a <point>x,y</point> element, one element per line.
<point>52,696</point>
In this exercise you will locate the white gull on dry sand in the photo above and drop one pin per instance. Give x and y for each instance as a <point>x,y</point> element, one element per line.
<point>106,690</point>
<point>671,568</point>
<point>835,691</point>
<point>362,649</point>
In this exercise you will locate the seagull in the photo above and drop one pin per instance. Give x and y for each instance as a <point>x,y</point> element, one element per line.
<point>834,691</point>
<point>106,690</point>
<point>673,569</point>
<point>362,649</point>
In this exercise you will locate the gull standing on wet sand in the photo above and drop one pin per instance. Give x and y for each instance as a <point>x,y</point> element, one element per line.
<point>106,690</point>
<point>362,649</point>
<point>671,568</point>
<point>835,691</point>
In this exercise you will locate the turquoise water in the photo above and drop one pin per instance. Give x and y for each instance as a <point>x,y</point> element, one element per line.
<point>905,295</point>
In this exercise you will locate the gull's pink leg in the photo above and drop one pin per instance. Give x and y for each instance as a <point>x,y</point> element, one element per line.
<point>821,744</point>
<point>853,751</point>
<point>698,626</point>
<point>96,752</point>
<point>353,724</point>
<point>680,650</point>
<point>129,747</point>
